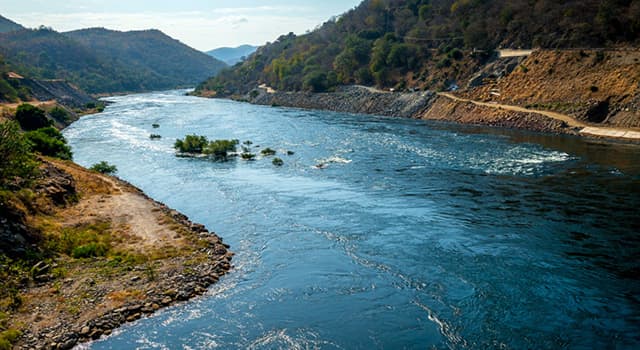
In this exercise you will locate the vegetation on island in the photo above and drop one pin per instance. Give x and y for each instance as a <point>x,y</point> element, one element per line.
<point>268,152</point>
<point>425,44</point>
<point>221,150</point>
<point>277,161</point>
<point>199,145</point>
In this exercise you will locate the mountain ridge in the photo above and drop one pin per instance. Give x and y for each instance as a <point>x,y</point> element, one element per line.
<point>7,25</point>
<point>106,61</point>
<point>232,55</point>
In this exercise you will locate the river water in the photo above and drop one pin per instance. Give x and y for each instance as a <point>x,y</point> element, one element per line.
<point>414,234</point>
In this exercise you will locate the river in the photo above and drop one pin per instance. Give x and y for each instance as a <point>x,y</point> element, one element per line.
<point>413,234</point>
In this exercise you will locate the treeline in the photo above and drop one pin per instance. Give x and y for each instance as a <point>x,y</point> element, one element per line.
<point>426,43</point>
<point>117,62</point>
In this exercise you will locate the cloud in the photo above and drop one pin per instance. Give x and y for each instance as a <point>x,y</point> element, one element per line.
<point>240,21</point>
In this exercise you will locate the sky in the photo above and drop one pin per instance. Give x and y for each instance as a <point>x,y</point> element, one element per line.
<point>202,24</point>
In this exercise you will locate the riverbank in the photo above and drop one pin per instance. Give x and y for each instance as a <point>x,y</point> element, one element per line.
<point>441,106</point>
<point>128,257</point>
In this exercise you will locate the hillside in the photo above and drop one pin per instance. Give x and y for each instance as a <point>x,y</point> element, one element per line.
<point>426,44</point>
<point>101,61</point>
<point>47,54</point>
<point>7,25</point>
<point>232,55</point>
<point>153,51</point>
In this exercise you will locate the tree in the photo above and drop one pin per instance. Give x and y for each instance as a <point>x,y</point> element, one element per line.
<point>16,159</point>
<point>49,142</point>
<point>315,81</point>
<point>31,117</point>
<point>104,168</point>
<point>191,144</point>
<point>59,114</point>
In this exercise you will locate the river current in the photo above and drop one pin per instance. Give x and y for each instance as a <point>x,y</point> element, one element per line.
<point>411,235</point>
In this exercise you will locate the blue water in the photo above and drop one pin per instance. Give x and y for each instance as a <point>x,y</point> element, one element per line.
<point>416,235</point>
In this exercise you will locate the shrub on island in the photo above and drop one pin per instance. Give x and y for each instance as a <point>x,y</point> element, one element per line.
<point>277,161</point>
<point>247,156</point>
<point>268,152</point>
<point>199,145</point>
<point>191,144</point>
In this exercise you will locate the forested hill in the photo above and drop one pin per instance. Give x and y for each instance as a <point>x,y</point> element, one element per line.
<point>153,50</point>
<point>116,62</point>
<point>426,43</point>
<point>7,25</point>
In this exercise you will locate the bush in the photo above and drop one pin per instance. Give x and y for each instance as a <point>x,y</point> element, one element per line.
<point>247,156</point>
<point>31,117</point>
<point>191,144</point>
<point>155,126</point>
<point>49,142</point>
<point>90,250</point>
<point>8,337</point>
<point>268,152</point>
<point>59,114</point>
<point>83,241</point>
<point>221,148</point>
<point>16,159</point>
<point>104,168</point>
<point>315,81</point>
<point>277,161</point>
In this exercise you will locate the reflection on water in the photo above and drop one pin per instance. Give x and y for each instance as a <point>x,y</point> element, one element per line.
<point>413,235</point>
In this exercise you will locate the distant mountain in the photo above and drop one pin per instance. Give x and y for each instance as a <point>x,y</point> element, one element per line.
<point>232,55</point>
<point>7,25</point>
<point>150,50</point>
<point>103,61</point>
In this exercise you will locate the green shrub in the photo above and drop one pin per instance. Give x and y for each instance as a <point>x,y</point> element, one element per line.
<point>49,142</point>
<point>8,337</point>
<point>59,114</point>
<point>83,241</point>
<point>104,168</point>
<point>16,159</point>
<point>277,161</point>
<point>191,144</point>
<point>268,152</point>
<point>247,156</point>
<point>221,148</point>
<point>155,126</point>
<point>31,117</point>
<point>90,250</point>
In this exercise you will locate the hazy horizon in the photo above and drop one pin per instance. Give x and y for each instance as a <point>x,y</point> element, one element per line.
<point>204,25</point>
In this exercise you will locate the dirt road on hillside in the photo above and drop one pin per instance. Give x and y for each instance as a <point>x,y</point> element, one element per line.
<point>572,122</point>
